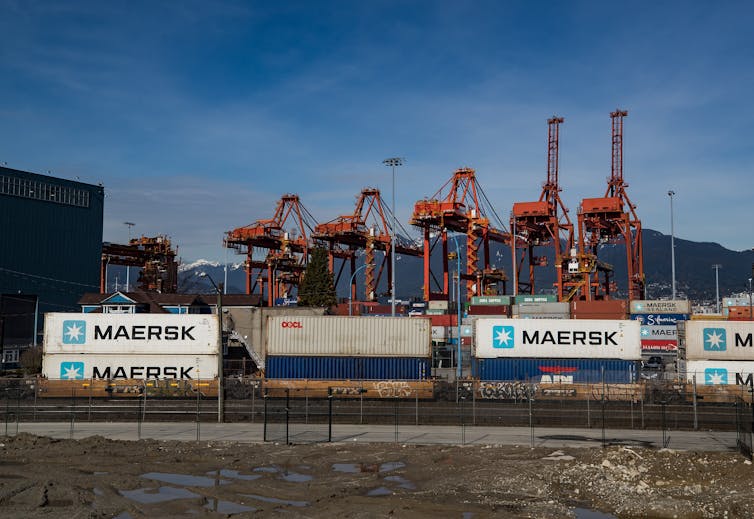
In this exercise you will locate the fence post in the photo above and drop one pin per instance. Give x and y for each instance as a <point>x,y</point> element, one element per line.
<point>18,407</point>
<point>253,398</point>
<point>361,403</point>
<point>531,416</point>
<point>588,410</point>
<point>473,403</point>
<point>7,409</point>
<point>138,417</point>
<point>73,411</point>
<point>696,423</point>
<point>642,407</point>
<point>416,393</point>
<point>89,411</point>
<point>396,418</point>
<point>665,438</point>
<point>198,419</point>
<point>329,414</point>
<point>602,375</point>
<point>287,414</point>
<point>36,390</point>
<point>264,430</point>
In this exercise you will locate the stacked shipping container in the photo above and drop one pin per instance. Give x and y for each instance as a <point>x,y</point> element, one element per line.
<point>659,319</point>
<point>130,346</point>
<point>332,348</point>
<point>557,350</point>
<point>719,353</point>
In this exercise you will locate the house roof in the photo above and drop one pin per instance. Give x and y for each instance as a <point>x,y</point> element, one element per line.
<point>157,300</point>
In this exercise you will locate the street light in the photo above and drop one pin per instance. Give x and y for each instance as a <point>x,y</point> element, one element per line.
<point>750,307</point>
<point>220,384</point>
<point>393,162</point>
<point>717,268</point>
<point>672,241</point>
<point>350,285</point>
<point>128,269</point>
<point>459,370</point>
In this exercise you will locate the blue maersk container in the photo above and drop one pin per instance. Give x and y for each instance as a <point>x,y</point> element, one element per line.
<point>348,368</point>
<point>577,371</point>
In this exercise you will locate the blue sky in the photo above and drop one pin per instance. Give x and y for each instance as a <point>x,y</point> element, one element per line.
<point>197,116</point>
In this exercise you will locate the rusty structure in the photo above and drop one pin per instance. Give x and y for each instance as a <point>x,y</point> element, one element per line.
<point>460,206</point>
<point>610,219</point>
<point>284,241</point>
<point>155,257</point>
<point>544,223</point>
<point>367,229</point>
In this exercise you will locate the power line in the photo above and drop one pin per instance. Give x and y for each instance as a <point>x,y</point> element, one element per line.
<point>27,274</point>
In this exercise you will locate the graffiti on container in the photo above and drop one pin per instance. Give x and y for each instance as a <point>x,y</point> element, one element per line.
<point>507,390</point>
<point>466,390</point>
<point>393,389</point>
<point>346,390</point>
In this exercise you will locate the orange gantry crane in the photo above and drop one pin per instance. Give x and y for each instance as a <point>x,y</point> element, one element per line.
<point>286,239</point>
<point>367,229</point>
<point>153,255</point>
<point>544,223</point>
<point>610,219</point>
<point>464,209</point>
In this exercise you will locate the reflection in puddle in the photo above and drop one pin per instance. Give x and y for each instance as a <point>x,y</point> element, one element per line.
<point>380,491</point>
<point>269,470</point>
<point>184,479</point>
<point>351,468</point>
<point>402,482</point>
<point>234,474</point>
<point>392,465</point>
<point>149,496</point>
<point>276,501</point>
<point>97,491</point>
<point>228,507</point>
<point>467,515</point>
<point>585,513</point>
<point>295,477</point>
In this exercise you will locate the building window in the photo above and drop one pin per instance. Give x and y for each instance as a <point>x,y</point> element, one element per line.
<point>10,356</point>
<point>26,188</point>
<point>118,309</point>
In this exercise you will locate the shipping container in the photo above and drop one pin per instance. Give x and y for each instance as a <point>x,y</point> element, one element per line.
<point>541,316</point>
<point>558,338</point>
<point>614,308</point>
<point>490,300</point>
<point>739,313</point>
<point>661,339</point>
<point>535,298</point>
<point>659,319</point>
<point>557,371</point>
<point>677,306</point>
<point>347,368</point>
<point>438,305</point>
<point>542,308</point>
<point>349,336</point>
<point>489,310</point>
<point>72,366</point>
<point>438,333</point>
<point>178,334</point>
<point>735,301</point>
<point>444,320</point>
<point>715,372</point>
<point>721,340</point>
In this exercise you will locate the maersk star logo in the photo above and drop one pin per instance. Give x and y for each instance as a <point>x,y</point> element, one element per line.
<point>71,370</point>
<point>502,336</point>
<point>645,331</point>
<point>714,339</point>
<point>74,332</point>
<point>716,376</point>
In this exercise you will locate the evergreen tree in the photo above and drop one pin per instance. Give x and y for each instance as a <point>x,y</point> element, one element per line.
<point>317,287</point>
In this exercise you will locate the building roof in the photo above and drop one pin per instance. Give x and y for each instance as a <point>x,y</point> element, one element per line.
<point>157,300</point>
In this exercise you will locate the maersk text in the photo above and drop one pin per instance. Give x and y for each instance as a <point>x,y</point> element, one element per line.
<point>568,338</point>
<point>143,333</point>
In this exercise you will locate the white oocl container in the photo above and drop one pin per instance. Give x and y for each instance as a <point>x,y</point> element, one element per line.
<point>678,306</point>
<point>719,373</point>
<point>72,366</point>
<point>719,340</point>
<point>558,338</point>
<point>349,336</point>
<point>120,334</point>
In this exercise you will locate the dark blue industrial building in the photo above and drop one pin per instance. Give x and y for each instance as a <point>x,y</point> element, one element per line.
<point>50,244</point>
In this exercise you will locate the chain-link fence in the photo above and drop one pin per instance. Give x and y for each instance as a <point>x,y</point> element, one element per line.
<point>319,411</point>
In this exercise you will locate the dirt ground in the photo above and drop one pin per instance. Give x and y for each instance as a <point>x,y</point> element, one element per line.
<point>96,477</point>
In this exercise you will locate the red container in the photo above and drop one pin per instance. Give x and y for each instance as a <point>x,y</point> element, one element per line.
<point>610,309</point>
<point>490,310</point>
<point>739,313</point>
<point>444,320</point>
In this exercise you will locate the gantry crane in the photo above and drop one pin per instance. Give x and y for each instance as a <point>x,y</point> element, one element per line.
<point>463,209</point>
<point>153,255</point>
<point>610,219</point>
<point>544,223</point>
<point>366,229</point>
<point>286,238</point>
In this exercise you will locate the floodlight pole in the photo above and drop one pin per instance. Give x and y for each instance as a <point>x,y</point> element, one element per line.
<point>672,242</point>
<point>459,369</point>
<point>393,162</point>
<point>717,268</point>
<point>220,385</point>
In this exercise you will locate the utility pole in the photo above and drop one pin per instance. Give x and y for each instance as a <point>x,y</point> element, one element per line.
<point>717,268</point>
<point>672,241</point>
